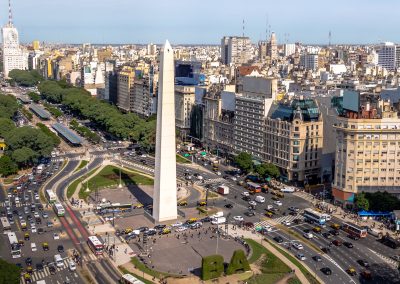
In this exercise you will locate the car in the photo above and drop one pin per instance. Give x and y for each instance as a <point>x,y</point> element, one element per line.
<point>334,232</point>
<point>238,218</point>
<point>252,203</point>
<point>246,198</point>
<point>29,217</point>
<point>229,206</point>
<point>201,203</point>
<point>308,235</point>
<point>28,261</point>
<point>38,220</point>
<point>326,250</point>
<point>297,221</point>
<point>297,246</point>
<point>33,229</point>
<point>366,274</point>
<point>326,235</point>
<point>60,248</point>
<point>50,224</point>
<point>348,244</point>
<point>395,257</point>
<point>326,270</point>
<point>196,225</point>
<point>177,224</point>
<point>71,265</point>
<point>52,269</point>
<point>45,246</point>
<point>317,258</point>
<point>40,231</point>
<point>26,237</point>
<point>351,271</point>
<point>286,223</point>
<point>363,262</point>
<point>39,267</point>
<point>206,219</point>
<point>56,236</point>
<point>36,215</point>
<point>278,239</point>
<point>294,209</point>
<point>160,227</point>
<point>301,256</point>
<point>250,213</point>
<point>337,243</point>
<point>182,203</point>
<point>246,193</point>
<point>33,247</point>
<point>267,228</point>
<point>278,202</point>
<point>353,237</point>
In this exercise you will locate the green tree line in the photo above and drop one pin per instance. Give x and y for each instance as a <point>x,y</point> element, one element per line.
<point>25,78</point>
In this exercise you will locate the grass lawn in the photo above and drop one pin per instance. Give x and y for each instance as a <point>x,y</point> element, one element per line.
<point>293,280</point>
<point>182,160</point>
<point>126,271</point>
<point>109,176</point>
<point>139,265</point>
<point>82,164</point>
<point>294,260</point>
<point>272,267</point>
<point>72,187</point>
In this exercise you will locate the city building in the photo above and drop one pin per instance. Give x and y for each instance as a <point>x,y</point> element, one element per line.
<point>111,87</point>
<point>14,56</point>
<point>272,47</point>
<point>125,90</point>
<point>294,140</point>
<point>289,49</point>
<point>235,49</point>
<point>144,99</point>
<point>367,147</point>
<point>387,56</point>
<point>35,45</point>
<point>309,61</point>
<point>184,102</point>
<point>262,50</point>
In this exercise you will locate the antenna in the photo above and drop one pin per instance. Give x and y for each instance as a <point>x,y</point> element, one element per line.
<point>266,28</point>
<point>9,13</point>
<point>330,38</point>
<point>243,28</point>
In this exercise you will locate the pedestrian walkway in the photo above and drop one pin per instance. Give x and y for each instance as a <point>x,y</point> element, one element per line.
<point>209,181</point>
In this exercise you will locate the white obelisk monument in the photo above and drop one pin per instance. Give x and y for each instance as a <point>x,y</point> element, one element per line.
<point>164,197</point>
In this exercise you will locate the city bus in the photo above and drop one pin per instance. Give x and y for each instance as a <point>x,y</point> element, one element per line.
<point>5,224</point>
<point>51,196</point>
<point>95,245</point>
<point>129,279</point>
<point>253,187</point>
<point>314,216</point>
<point>59,209</point>
<point>15,247</point>
<point>354,230</point>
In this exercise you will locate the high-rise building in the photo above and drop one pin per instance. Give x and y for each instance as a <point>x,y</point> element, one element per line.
<point>262,50</point>
<point>272,50</point>
<point>35,45</point>
<point>144,99</point>
<point>184,102</point>
<point>14,57</point>
<point>289,49</point>
<point>165,192</point>
<point>125,93</point>
<point>367,148</point>
<point>387,56</point>
<point>111,87</point>
<point>309,61</point>
<point>235,50</point>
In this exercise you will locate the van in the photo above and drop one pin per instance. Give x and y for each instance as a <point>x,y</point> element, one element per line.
<point>260,199</point>
<point>218,214</point>
<point>218,220</point>
<point>58,260</point>
<point>16,200</point>
<point>288,189</point>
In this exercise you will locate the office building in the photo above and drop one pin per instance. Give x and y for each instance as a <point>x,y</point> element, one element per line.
<point>144,98</point>
<point>387,56</point>
<point>184,102</point>
<point>289,49</point>
<point>309,61</point>
<point>111,87</point>
<point>367,148</point>
<point>125,94</point>
<point>236,50</point>
<point>262,50</point>
<point>35,45</point>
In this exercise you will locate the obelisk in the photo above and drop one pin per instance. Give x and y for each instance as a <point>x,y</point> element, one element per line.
<point>164,197</point>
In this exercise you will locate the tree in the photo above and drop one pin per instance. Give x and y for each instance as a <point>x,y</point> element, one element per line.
<point>9,273</point>
<point>244,161</point>
<point>7,166</point>
<point>8,106</point>
<point>382,201</point>
<point>362,203</point>
<point>6,126</point>
<point>24,156</point>
<point>25,78</point>
<point>272,170</point>
<point>35,97</point>
<point>261,169</point>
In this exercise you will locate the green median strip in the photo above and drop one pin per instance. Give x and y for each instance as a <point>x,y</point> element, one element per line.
<point>182,160</point>
<point>126,271</point>
<point>72,187</point>
<point>82,164</point>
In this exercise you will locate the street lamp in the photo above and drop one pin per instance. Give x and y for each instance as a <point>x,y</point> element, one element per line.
<point>120,166</point>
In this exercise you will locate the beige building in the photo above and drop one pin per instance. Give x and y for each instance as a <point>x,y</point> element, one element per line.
<point>184,102</point>
<point>144,98</point>
<point>367,152</point>
<point>125,95</point>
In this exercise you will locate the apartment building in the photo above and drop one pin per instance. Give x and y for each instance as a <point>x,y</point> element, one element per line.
<point>367,151</point>
<point>387,56</point>
<point>184,102</point>
<point>144,98</point>
<point>309,61</point>
<point>235,49</point>
<point>251,109</point>
<point>125,90</point>
<point>294,139</point>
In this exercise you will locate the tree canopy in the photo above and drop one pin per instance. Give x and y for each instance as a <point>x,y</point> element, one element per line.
<point>9,273</point>
<point>35,97</point>
<point>6,126</point>
<point>244,161</point>
<point>382,201</point>
<point>7,166</point>
<point>362,203</point>
<point>25,78</point>
<point>8,106</point>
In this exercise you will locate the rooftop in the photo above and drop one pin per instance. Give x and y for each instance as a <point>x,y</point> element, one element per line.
<point>43,114</point>
<point>67,133</point>
<point>305,109</point>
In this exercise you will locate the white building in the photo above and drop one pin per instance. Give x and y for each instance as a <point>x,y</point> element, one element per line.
<point>289,49</point>
<point>14,57</point>
<point>387,56</point>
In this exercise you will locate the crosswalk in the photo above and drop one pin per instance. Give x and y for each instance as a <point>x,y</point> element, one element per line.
<point>38,275</point>
<point>304,195</point>
<point>20,204</point>
<point>279,220</point>
<point>213,180</point>
<point>148,169</point>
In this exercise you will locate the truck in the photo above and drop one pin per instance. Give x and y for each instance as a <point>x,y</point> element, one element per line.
<point>39,168</point>
<point>223,189</point>
<point>218,220</point>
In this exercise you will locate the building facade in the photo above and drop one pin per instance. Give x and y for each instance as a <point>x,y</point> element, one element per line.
<point>309,61</point>
<point>387,56</point>
<point>125,92</point>
<point>184,102</point>
<point>235,49</point>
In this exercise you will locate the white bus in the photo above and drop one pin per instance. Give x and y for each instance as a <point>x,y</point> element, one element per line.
<point>51,196</point>
<point>5,224</point>
<point>95,245</point>
<point>129,279</point>
<point>59,209</point>
<point>314,216</point>
<point>15,247</point>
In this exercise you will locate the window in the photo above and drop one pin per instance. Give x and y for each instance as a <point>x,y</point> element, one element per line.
<point>296,128</point>
<point>296,150</point>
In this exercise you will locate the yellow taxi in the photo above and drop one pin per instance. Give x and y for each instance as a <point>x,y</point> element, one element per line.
<point>335,226</point>
<point>45,246</point>
<point>269,214</point>
<point>26,236</point>
<point>166,231</point>
<point>182,203</point>
<point>128,230</point>
<point>317,230</point>
<point>192,220</point>
<point>137,206</point>
<point>351,271</point>
<point>27,278</point>
<point>201,203</point>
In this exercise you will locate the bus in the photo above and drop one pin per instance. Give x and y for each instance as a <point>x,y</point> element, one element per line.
<point>129,279</point>
<point>314,216</point>
<point>6,225</point>
<point>51,196</point>
<point>15,246</point>
<point>354,230</point>
<point>253,187</point>
<point>59,209</point>
<point>95,245</point>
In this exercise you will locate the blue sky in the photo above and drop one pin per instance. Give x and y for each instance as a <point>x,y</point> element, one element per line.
<point>205,21</point>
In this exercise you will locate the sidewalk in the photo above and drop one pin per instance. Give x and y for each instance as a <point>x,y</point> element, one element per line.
<point>258,238</point>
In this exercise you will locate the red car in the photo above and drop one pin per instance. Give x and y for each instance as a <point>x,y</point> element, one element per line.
<point>337,243</point>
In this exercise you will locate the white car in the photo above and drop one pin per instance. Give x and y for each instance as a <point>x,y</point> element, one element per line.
<point>71,265</point>
<point>33,229</point>
<point>177,224</point>
<point>218,173</point>
<point>181,229</point>
<point>234,178</point>
<point>36,214</point>
<point>199,177</point>
<point>269,207</point>
<point>278,202</point>
<point>33,247</point>
<point>238,218</point>
<point>143,156</point>
<point>301,256</point>
<point>268,228</point>
<point>297,246</point>
<point>36,196</point>
<point>308,235</point>
<point>246,193</point>
<point>252,203</point>
<point>286,223</point>
<point>56,236</point>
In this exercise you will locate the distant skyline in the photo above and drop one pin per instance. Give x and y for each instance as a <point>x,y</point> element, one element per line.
<point>203,22</point>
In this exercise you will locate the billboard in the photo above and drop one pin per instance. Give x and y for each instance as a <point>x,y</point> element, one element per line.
<point>351,100</point>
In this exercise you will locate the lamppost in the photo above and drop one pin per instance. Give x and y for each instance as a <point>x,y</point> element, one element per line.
<point>120,166</point>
